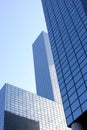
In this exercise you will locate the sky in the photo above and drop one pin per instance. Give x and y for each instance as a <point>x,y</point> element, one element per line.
<point>21,21</point>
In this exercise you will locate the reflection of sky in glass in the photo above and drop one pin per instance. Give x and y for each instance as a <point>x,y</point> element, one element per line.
<point>67,28</point>
<point>52,71</point>
<point>20,102</point>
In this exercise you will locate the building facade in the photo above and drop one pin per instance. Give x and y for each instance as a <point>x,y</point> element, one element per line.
<point>45,73</point>
<point>67,28</point>
<point>22,110</point>
<point>42,75</point>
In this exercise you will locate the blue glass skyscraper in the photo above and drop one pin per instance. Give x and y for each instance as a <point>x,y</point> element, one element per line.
<point>67,27</point>
<point>45,73</point>
<point>42,74</point>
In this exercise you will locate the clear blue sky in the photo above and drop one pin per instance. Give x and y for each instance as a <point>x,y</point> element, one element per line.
<point>21,21</point>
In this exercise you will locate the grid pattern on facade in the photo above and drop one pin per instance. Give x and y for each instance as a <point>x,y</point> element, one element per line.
<point>48,113</point>
<point>67,28</point>
<point>2,99</point>
<point>52,71</point>
<point>84,2</point>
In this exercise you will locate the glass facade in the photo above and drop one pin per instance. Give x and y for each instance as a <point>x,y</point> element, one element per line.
<point>2,103</point>
<point>21,105</point>
<point>42,75</point>
<point>67,27</point>
<point>45,73</point>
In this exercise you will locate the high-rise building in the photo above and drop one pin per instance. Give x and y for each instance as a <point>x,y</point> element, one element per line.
<point>45,73</point>
<point>67,28</point>
<point>42,75</point>
<point>23,110</point>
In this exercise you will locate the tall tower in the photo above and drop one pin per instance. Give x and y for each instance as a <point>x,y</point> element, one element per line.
<point>67,28</point>
<point>46,77</point>
<point>42,75</point>
<point>45,73</point>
